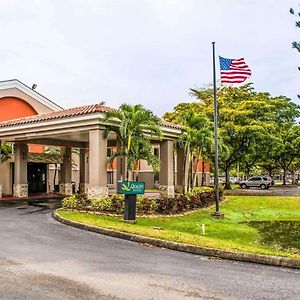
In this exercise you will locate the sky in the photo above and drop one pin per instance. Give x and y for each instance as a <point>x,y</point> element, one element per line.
<point>151,52</point>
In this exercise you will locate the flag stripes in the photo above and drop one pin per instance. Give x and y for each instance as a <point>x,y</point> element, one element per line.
<point>234,70</point>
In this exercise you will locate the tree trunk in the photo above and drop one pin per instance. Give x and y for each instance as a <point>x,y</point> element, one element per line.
<point>186,169</point>
<point>203,174</point>
<point>247,171</point>
<point>227,182</point>
<point>196,173</point>
<point>54,177</point>
<point>137,171</point>
<point>191,171</point>
<point>284,176</point>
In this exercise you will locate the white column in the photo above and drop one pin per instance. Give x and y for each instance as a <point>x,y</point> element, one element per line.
<point>166,175</point>
<point>65,186</point>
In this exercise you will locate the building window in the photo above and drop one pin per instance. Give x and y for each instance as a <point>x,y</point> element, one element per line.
<point>110,177</point>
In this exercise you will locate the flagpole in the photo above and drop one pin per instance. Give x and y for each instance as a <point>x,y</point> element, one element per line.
<point>217,213</point>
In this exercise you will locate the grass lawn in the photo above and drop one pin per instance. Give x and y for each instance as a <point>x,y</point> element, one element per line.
<point>262,224</point>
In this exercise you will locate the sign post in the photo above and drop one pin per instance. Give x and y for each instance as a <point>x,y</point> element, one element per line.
<point>130,189</point>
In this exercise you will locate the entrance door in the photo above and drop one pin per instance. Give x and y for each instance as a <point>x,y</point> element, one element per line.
<point>37,178</point>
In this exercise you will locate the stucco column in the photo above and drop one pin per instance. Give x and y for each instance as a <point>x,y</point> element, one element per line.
<point>180,169</point>
<point>83,167</point>
<point>0,175</point>
<point>20,187</point>
<point>166,175</point>
<point>97,187</point>
<point>65,186</point>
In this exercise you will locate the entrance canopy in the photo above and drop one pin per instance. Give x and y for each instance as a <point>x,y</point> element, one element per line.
<point>82,127</point>
<point>68,127</point>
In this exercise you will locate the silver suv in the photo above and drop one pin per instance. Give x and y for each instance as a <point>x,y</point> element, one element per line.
<point>262,182</point>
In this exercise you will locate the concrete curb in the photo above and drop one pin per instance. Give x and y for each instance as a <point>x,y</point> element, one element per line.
<point>224,254</point>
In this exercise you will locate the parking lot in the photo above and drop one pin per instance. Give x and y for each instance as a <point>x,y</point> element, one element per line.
<point>280,190</point>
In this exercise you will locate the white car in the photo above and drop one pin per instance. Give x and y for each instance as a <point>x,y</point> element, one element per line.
<point>262,182</point>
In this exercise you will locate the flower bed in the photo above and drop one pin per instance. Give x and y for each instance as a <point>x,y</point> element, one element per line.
<point>198,197</point>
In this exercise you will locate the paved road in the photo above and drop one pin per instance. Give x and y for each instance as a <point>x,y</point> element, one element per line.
<point>43,259</point>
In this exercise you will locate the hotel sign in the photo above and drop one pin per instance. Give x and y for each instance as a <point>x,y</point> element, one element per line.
<point>131,187</point>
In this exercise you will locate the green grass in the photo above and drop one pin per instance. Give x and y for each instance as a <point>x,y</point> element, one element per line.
<point>265,225</point>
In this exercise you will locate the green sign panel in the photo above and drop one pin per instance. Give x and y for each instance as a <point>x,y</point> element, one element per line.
<point>131,187</point>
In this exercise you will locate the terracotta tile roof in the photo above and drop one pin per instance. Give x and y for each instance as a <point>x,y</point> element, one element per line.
<point>67,113</point>
<point>172,125</point>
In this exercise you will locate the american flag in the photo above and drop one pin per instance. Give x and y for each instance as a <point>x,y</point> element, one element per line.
<point>234,70</point>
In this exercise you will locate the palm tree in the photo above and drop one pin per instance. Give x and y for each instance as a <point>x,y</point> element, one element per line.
<point>6,151</point>
<point>197,139</point>
<point>133,125</point>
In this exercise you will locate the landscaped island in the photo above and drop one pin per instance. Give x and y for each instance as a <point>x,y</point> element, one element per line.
<point>264,225</point>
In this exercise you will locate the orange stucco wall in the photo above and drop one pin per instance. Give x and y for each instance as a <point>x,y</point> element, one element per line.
<point>14,108</point>
<point>206,166</point>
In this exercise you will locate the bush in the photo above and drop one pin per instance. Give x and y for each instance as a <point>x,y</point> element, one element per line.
<point>76,201</point>
<point>103,204</point>
<point>117,203</point>
<point>198,197</point>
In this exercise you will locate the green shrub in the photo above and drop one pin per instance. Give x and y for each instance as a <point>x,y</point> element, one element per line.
<point>196,191</point>
<point>117,203</point>
<point>198,197</point>
<point>70,202</point>
<point>76,201</point>
<point>102,204</point>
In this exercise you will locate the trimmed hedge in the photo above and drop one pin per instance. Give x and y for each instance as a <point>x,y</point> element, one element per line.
<point>198,197</point>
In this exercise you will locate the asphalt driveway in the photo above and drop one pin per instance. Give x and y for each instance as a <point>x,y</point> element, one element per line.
<point>41,258</point>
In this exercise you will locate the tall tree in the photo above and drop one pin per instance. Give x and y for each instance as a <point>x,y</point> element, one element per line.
<point>247,121</point>
<point>286,150</point>
<point>295,44</point>
<point>197,138</point>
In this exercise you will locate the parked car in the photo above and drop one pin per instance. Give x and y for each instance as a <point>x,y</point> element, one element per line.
<point>262,182</point>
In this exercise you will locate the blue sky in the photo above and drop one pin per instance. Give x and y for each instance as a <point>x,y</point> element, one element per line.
<point>140,51</point>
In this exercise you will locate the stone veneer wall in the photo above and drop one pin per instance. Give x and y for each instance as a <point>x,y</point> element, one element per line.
<point>83,188</point>
<point>97,192</point>
<point>65,188</point>
<point>20,190</point>
<point>167,191</point>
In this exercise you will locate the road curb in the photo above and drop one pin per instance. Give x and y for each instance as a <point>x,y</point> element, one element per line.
<point>224,254</point>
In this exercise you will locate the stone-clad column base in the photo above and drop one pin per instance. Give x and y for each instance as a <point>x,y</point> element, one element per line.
<point>65,188</point>
<point>167,191</point>
<point>83,188</point>
<point>97,192</point>
<point>0,190</point>
<point>20,190</point>
<point>179,189</point>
